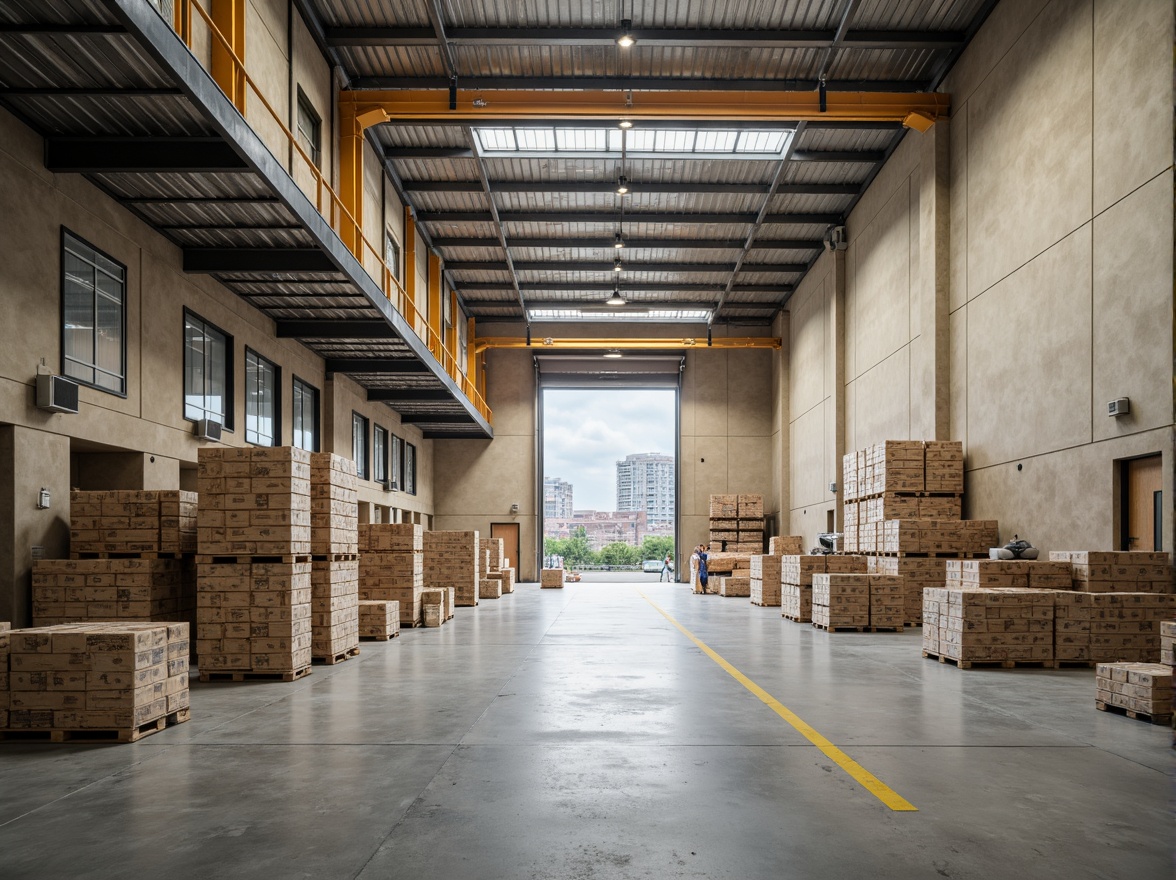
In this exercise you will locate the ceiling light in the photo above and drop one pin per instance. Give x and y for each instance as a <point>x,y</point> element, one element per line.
<point>625,38</point>
<point>625,124</point>
<point>613,353</point>
<point>618,266</point>
<point>618,241</point>
<point>622,185</point>
<point>616,299</point>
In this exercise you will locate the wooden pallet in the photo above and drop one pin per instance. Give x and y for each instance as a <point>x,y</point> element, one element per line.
<point>1131,713</point>
<point>125,554</point>
<point>247,558</point>
<point>337,658</point>
<point>797,619</point>
<point>765,604</point>
<point>378,638</point>
<point>944,554</point>
<point>836,628</point>
<point>95,735</point>
<point>249,675</point>
<point>1076,664</point>
<point>334,557</point>
<point>991,664</point>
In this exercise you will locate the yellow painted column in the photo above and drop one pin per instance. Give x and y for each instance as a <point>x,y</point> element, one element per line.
<point>229,18</point>
<point>182,12</point>
<point>411,312</point>
<point>471,354</point>
<point>451,336</point>
<point>350,178</point>
<point>435,339</point>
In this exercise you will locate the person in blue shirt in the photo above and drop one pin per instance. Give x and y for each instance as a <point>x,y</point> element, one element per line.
<point>702,572</point>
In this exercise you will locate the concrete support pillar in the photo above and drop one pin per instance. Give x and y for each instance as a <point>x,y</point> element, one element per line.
<point>30,461</point>
<point>931,353</point>
<point>837,345</point>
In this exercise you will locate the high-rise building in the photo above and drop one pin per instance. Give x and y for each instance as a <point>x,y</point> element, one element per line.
<point>557,498</point>
<point>645,481</point>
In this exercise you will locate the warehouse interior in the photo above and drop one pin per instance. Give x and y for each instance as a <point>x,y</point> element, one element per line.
<point>381,229</point>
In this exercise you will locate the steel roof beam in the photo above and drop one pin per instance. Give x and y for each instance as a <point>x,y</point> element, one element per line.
<point>34,29</point>
<point>665,37</point>
<point>870,156</point>
<point>108,155</point>
<point>644,287</point>
<point>375,365</point>
<point>435,419</point>
<point>304,329</point>
<point>800,244</point>
<point>631,83</point>
<point>215,261</point>
<point>408,395</point>
<point>90,92</point>
<point>607,266</point>
<point>636,187</point>
<point>611,219</point>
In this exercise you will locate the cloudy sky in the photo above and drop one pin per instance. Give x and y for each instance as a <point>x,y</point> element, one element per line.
<point>586,432</point>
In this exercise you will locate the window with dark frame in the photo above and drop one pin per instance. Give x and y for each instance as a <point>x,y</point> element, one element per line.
<point>392,253</point>
<point>262,405</point>
<point>359,445</point>
<point>305,416</point>
<point>380,454</point>
<point>410,469</point>
<point>208,371</point>
<point>310,129</point>
<point>93,314</point>
<point>397,463</point>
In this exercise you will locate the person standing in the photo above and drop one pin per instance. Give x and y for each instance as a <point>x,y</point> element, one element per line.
<point>667,572</point>
<point>703,575</point>
<point>694,570</point>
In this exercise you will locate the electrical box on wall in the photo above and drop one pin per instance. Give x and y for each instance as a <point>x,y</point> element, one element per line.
<point>1119,407</point>
<point>57,394</point>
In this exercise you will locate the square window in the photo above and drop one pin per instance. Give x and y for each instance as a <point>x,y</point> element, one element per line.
<point>208,371</point>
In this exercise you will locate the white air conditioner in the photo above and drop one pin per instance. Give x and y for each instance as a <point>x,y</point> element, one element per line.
<point>208,429</point>
<point>835,239</point>
<point>1119,407</point>
<point>390,486</point>
<point>57,393</point>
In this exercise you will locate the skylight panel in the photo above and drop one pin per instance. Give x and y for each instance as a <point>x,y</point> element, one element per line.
<point>715,141</point>
<point>535,139</point>
<point>496,139</point>
<point>581,139</point>
<point>762,141</point>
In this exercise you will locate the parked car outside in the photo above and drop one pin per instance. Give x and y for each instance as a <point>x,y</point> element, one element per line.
<point>653,566</point>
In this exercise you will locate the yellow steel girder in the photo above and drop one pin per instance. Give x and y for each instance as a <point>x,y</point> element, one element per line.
<point>914,109</point>
<point>549,343</point>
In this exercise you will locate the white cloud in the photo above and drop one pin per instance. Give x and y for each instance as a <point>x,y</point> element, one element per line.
<point>586,432</point>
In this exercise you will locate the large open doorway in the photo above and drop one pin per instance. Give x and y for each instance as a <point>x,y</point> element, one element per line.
<point>609,469</point>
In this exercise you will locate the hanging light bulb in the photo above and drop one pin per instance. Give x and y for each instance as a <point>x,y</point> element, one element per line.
<point>625,38</point>
<point>622,186</point>
<point>618,266</point>
<point>616,299</point>
<point>613,353</point>
<point>618,241</point>
<point>625,124</point>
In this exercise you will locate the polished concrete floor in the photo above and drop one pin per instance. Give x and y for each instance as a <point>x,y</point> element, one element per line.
<point>579,734</point>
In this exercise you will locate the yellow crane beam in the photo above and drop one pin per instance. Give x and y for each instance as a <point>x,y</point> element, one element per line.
<point>550,343</point>
<point>914,109</point>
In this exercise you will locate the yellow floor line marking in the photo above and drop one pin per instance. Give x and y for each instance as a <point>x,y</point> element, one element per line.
<point>864,777</point>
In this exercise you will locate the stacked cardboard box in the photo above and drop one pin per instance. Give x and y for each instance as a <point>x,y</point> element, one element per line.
<point>253,617</point>
<point>132,521</point>
<point>334,505</point>
<point>737,523</point>
<point>1072,616</point>
<point>1139,689</point>
<point>506,577</point>
<point>765,580</point>
<point>433,607</point>
<point>1126,626</point>
<point>551,578</point>
<point>124,679</point>
<point>796,580</point>
<point>1006,626</point>
<point>841,600</point>
<point>786,545</point>
<point>962,537</point>
<point>735,586</point>
<point>74,590</point>
<point>451,560</point>
<point>918,573</point>
<point>254,501</point>
<point>392,567</point>
<point>887,601</point>
<point>1036,574</point>
<point>495,547</point>
<point>334,596</point>
<point>1121,571</point>
<point>1167,642</point>
<point>489,588</point>
<point>379,620</point>
<point>934,609</point>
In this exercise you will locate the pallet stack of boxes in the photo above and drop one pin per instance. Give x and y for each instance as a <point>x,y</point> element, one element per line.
<point>722,567</point>
<point>254,564</point>
<point>856,601</point>
<point>796,580</point>
<point>902,508</point>
<point>491,587</point>
<point>765,580</point>
<point>499,569</point>
<point>391,572</point>
<point>92,681</point>
<point>334,567</point>
<point>452,561</point>
<point>131,558</point>
<point>551,579</point>
<point>1137,690</point>
<point>737,524</point>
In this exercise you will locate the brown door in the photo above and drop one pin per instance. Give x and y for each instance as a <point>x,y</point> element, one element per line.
<point>509,532</point>
<point>1142,504</point>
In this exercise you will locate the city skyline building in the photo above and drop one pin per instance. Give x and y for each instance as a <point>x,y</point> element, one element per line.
<point>645,481</point>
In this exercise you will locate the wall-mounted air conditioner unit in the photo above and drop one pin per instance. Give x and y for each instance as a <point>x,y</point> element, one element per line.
<point>208,429</point>
<point>57,393</point>
<point>390,486</point>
